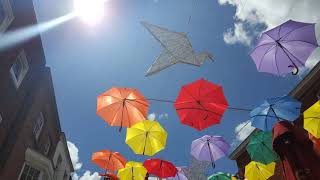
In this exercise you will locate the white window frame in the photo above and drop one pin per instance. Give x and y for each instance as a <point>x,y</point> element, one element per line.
<point>22,58</point>
<point>8,15</point>
<point>27,164</point>
<point>38,126</point>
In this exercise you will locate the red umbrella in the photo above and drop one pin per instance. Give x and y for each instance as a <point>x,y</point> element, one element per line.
<point>201,104</point>
<point>109,176</point>
<point>160,168</point>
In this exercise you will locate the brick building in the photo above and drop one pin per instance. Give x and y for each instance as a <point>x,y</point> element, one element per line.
<point>307,92</point>
<point>32,145</point>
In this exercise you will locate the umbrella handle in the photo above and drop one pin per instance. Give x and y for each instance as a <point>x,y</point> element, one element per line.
<point>294,66</point>
<point>213,165</point>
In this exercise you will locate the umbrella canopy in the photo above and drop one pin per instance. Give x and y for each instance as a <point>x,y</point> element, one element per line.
<point>312,120</point>
<point>179,176</point>
<point>122,106</point>
<point>220,176</point>
<point>209,148</point>
<point>284,48</point>
<point>258,171</point>
<point>274,110</point>
<point>109,176</point>
<point>160,168</point>
<point>132,171</point>
<point>260,148</point>
<point>146,137</point>
<point>176,49</point>
<point>111,161</point>
<point>201,104</point>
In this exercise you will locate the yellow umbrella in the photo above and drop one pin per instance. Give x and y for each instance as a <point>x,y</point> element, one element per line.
<point>146,137</point>
<point>312,120</point>
<point>258,171</point>
<point>132,171</point>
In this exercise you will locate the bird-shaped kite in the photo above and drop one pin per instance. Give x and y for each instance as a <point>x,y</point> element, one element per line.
<point>176,49</point>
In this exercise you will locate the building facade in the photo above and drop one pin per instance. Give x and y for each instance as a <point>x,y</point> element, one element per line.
<point>307,92</point>
<point>32,145</point>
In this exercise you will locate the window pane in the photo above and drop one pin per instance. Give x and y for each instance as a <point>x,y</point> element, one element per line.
<point>29,173</point>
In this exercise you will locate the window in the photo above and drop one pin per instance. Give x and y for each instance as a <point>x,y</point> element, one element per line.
<point>47,146</point>
<point>19,68</point>
<point>29,173</point>
<point>38,126</point>
<point>6,15</point>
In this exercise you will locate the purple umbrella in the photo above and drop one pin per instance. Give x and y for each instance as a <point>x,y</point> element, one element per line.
<point>180,175</point>
<point>285,48</point>
<point>209,148</point>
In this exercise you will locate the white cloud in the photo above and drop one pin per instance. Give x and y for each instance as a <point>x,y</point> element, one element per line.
<point>251,14</point>
<point>152,116</point>
<point>88,176</point>
<point>237,35</point>
<point>243,130</point>
<point>164,116</point>
<point>74,154</point>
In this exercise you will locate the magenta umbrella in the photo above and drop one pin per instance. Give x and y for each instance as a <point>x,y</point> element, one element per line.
<point>285,48</point>
<point>209,148</point>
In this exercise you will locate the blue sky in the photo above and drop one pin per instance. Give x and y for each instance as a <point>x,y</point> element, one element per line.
<point>86,61</point>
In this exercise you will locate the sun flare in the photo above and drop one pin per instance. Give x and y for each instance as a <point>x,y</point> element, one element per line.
<point>90,11</point>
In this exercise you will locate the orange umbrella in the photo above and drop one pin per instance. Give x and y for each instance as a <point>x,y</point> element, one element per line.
<point>108,160</point>
<point>122,107</point>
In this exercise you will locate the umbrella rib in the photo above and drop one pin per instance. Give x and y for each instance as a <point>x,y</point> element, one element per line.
<point>129,123</point>
<point>262,45</point>
<point>262,58</point>
<point>200,104</point>
<point>275,57</point>
<point>284,36</point>
<point>156,139</point>
<point>186,89</point>
<point>135,108</point>
<point>279,31</point>
<point>112,96</point>
<point>287,41</point>
<point>287,51</point>
<point>113,118</point>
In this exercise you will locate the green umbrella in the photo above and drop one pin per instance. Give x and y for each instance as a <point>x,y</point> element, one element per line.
<point>260,148</point>
<point>220,176</point>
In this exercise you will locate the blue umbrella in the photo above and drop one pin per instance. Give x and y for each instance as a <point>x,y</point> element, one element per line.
<point>274,110</point>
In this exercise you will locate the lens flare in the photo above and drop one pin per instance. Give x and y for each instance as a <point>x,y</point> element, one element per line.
<point>90,11</point>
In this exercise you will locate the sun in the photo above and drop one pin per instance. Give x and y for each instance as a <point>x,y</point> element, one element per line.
<point>90,11</point>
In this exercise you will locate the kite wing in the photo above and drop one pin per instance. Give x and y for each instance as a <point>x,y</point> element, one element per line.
<point>165,60</point>
<point>176,43</point>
